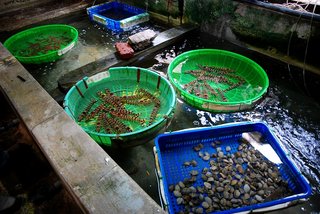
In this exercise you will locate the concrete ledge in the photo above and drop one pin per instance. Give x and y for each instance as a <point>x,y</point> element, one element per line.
<point>164,39</point>
<point>94,180</point>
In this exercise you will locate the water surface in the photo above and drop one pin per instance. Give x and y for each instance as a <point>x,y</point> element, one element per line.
<point>290,112</point>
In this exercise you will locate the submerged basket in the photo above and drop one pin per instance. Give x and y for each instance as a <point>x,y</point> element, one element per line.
<point>123,81</point>
<point>42,44</point>
<point>244,96</point>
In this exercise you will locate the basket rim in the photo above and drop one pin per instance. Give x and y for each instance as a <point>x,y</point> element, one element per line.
<point>171,105</point>
<point>180,58</point>
<point>12,38</point>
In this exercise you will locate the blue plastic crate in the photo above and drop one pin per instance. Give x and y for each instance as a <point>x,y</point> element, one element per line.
<point>117,16</point>
<point>173,149</point>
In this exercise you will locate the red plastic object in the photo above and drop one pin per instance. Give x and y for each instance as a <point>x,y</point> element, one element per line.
<point>124,50</point>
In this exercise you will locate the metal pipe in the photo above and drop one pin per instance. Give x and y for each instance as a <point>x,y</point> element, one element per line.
<point>283,9</point>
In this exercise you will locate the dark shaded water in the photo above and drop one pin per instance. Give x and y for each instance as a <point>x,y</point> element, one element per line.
<point>289,111</point>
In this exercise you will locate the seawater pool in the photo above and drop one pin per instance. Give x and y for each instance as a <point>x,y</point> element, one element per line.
<point>290,108</point>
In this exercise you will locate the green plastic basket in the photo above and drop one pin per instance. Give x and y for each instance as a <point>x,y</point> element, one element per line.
<point>123,81</point>
<point>245,96</point>
<point>42,44</point>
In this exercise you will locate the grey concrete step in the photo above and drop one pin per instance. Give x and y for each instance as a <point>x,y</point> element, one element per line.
<point>164,39</point>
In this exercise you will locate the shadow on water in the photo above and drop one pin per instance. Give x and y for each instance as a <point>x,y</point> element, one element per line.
<point>288,109</point>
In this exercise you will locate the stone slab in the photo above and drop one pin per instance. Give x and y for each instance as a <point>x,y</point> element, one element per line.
<point>163,39</point>
<point>33,104</point>
<point>94,179</point>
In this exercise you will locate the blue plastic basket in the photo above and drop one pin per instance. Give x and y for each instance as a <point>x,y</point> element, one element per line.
<point>131,16</point>
<point>173,149</point>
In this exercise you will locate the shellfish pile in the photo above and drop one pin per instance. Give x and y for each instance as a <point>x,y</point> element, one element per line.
<point>234,177</point>
<point>110,115</point>
<point>207,77</point>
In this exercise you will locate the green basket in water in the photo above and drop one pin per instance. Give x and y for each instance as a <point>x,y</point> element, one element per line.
<point>230,82</point>
<point>42,44</point>
<point>121,82</point>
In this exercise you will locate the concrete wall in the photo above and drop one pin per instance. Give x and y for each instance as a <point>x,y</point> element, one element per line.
<point>258,27</point>
<point>11,5</point>
<point>265,30</point>
<point>22,7</point>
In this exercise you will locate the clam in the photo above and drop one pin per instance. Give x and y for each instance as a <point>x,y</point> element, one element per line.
<point>187,163</point>
<point>206,157</point>
<point>234,182</point>
<point>207,185</point>
<point>199,210</point>
<point>208,200</point>
<point>205,170</point>
<point>194,163</point>
<point>171,188</point>
<point>181,184</point>
<point>228,149</point>
<point>177,193</point>
<point>204,178</point>
<point>258,198</point>
<point>205,205</point>
<point>236,194</point>
<point>192,189</point>
<point>198,147</point>
<point>179,201</point>
<point>220,189</point>
<point>246,196</point>
<point>194,172</point>
<point>246,188</point>
<point>220,154</point>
